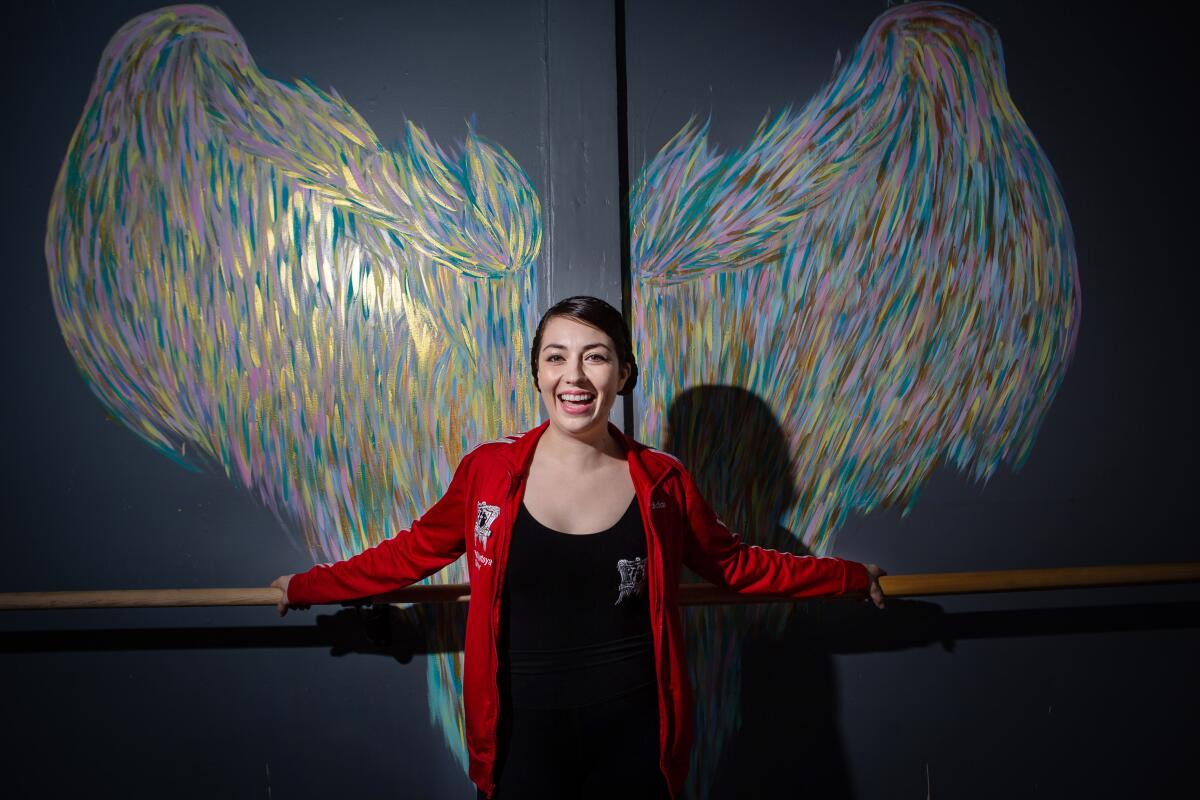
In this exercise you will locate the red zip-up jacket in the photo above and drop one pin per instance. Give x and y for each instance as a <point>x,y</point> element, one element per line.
<point>475,517</point>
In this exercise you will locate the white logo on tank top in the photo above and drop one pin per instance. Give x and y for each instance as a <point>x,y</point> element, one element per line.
<point>633,578</point>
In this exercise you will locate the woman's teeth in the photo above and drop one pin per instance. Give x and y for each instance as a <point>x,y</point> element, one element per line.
<point>577,403</point>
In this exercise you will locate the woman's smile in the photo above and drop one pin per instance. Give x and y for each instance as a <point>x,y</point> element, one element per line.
<point>577,402</point>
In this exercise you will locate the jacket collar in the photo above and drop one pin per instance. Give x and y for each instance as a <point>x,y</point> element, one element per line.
<point>520,455</point>
<point>646,466</point>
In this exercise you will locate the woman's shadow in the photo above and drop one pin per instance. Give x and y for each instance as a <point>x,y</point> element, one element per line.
<point>763,666</point>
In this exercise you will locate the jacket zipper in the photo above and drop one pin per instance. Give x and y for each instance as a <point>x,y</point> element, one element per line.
<point>500,554</point>
<point>658,597</point>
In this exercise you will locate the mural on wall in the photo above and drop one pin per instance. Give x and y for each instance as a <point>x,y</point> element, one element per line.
<point>249,280</point>
<point>252,282</point>
<point>890,269</point>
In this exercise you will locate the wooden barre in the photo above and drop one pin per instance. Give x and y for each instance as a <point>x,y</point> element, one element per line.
<point>944,583</point>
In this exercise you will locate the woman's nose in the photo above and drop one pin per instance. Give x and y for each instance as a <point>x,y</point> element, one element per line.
<point>574,372</point>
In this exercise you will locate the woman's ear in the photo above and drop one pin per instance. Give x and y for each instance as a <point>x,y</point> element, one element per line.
<point>626,369</point>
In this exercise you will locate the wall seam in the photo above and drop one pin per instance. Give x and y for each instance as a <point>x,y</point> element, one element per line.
<point>547,161</point>
<point>623,183</point>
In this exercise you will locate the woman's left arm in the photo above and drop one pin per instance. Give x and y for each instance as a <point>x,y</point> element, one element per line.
<point>720,556</point>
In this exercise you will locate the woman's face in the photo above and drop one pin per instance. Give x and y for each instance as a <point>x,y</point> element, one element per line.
<point>578,376</point>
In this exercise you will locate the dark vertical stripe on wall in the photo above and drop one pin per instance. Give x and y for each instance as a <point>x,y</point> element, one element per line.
<point>623,181</point>
<point>583,235</point>
<point>547,256</point>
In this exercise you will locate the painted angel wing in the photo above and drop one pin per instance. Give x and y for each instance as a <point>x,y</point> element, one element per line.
<point>891,269</point>
<point>887,277</point>
<point>247,278</point>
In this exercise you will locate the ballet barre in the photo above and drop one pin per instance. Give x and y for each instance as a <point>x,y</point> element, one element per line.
<point>690,594</point>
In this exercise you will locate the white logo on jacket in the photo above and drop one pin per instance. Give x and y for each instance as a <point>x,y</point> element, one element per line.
<point>485,515</point>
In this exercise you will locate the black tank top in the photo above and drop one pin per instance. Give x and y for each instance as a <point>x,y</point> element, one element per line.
<point>576,618</point>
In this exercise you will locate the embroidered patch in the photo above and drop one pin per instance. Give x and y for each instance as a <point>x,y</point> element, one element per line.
<point>633,578</point>
<point>485,515</point>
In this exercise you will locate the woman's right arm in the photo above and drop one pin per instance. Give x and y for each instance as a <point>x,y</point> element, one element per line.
<point>436,539</point>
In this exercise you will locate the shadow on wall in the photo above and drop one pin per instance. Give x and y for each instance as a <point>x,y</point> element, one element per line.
<point>767,715</point>
<point>738,454</point>
<point>832,628</point>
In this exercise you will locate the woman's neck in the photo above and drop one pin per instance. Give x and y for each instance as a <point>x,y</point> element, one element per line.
<point>579,452</point>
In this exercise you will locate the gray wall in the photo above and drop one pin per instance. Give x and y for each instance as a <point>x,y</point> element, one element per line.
<point>1055,695</point>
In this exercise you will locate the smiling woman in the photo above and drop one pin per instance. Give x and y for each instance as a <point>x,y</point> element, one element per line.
<point>575,676</point>
<point>581,359</point>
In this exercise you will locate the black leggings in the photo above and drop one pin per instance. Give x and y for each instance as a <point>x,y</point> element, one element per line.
<point>606,750</point>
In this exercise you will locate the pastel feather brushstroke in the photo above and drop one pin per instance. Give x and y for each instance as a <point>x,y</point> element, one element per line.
<point>890,268</point>
<point>248,279</point>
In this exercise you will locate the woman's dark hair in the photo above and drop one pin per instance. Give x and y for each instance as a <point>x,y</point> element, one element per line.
<point>599,314</point>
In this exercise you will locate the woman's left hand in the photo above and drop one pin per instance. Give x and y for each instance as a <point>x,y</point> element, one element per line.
<point>281,583</point>
<point>875,592</point>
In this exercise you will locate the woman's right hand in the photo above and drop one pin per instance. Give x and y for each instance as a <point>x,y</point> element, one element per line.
<point>281,583</point>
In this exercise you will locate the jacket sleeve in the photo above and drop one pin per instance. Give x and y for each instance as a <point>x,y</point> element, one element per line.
<point>721,557</point>
<point>433,541</point>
